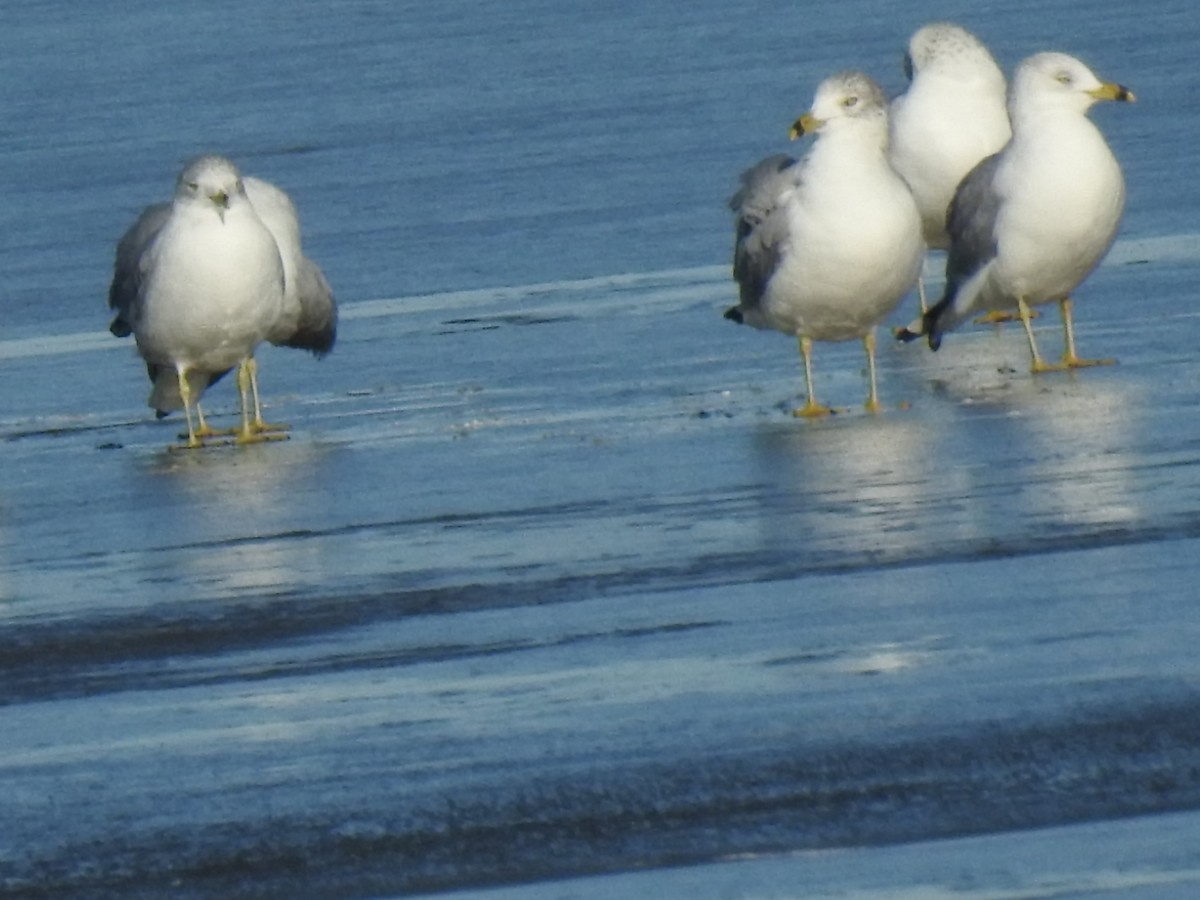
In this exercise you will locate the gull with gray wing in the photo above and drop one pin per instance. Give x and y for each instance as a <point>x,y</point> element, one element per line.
<point>202,280</point>
<point>827,246</point>
<point>1030,223</point>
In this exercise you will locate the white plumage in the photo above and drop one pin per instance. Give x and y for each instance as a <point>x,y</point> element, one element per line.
<point>952,115</point>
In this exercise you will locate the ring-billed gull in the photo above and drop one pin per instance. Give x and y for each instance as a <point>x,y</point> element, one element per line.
<point>952,115</point>
<point>199,284</point>
<point>826,247</point>
<point>1031,222</point>
<point>305,316</point>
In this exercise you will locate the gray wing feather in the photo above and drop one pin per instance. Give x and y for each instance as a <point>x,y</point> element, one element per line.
<point>317,328</point>
<point>971,224</point>
<point>761,227</point>
<point>128,271</point>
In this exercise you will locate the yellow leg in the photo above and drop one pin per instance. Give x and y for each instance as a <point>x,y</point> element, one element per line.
<point>1070,359</point>
<point>872,405</point>
<point>243,384</point>
<point>194,438</point>
<point>1039,364</point>
<point>259,424</point>
<point>811,408</point>
<point>252,365</point>
<point>205,430</point>
<point>254,430</point>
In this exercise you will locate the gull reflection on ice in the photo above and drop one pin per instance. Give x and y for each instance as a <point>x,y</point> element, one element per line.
<point>1001,471</point>
<point>1080,440</point>
<point>850,490</point>
<point>237,523</point>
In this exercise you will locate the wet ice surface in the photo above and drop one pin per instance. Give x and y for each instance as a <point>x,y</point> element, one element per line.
<point>1137,858</point>
<point>495,627</point>
<point>547,581</point>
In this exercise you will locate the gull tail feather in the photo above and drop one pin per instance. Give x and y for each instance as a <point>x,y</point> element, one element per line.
<point>928,325</point>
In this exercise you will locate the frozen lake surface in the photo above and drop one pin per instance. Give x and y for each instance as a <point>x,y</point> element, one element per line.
<point>548,595</point>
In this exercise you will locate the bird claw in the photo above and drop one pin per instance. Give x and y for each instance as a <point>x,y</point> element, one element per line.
<point>813,410</point>
<point>260,437</point>
<point>1076,362</point>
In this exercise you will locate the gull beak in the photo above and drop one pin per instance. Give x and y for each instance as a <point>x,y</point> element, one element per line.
<point>806,124</point>
<point>221,201</point>
<point>1110,91</point>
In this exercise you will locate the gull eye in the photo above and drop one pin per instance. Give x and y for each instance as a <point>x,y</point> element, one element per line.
<point>1063,78</point>
<point>850,102</point>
